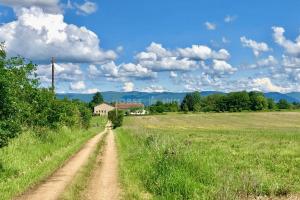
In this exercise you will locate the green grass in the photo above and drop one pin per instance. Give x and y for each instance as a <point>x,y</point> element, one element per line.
<point>210,156</point>
<point>76,190</point>
<point>30,158</point>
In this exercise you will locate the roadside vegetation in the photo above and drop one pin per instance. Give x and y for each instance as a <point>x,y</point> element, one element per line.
<point>25,107</point>
<point>210,156</point>
<point>116,117</point>
<point>30,158</point>
<point>38,132</point>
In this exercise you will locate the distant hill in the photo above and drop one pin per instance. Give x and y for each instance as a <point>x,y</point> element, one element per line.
<point>150,98</point>
<point>294,95</point>
<point>277,96</point>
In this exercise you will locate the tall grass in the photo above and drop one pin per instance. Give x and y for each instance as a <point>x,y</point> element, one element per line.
<point>210,156</point>
<point>32,157</point>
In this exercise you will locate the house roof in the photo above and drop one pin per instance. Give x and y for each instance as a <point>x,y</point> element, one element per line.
<point>129,105</point>
<point>104,104</point>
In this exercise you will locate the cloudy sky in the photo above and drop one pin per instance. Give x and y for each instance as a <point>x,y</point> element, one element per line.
<point>170,45</point>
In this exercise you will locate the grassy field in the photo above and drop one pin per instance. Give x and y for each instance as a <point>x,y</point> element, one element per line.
<point>30,158</point>
<point>210,156</point>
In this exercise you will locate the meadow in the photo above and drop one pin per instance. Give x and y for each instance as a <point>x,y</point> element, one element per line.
<point>210,156</point>
<point>32,157</point>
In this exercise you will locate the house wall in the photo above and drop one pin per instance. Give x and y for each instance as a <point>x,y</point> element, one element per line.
<point>103,109</point>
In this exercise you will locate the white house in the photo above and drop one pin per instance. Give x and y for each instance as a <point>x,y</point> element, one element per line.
<point>103,109</point>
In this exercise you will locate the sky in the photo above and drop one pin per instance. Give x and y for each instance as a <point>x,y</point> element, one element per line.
<point>157,46</point>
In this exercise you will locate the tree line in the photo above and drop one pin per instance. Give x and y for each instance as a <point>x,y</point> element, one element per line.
<point>24,105</point>
<point>231,102</point>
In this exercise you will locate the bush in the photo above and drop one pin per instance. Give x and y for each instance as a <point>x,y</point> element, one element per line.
<point>116,117</point>
<point>85,115</point>
<point>283,104</point>
<point>23,104</point>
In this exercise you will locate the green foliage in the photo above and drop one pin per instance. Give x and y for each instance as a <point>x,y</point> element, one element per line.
<point>192,101</point>
<point>160,107</point>
<point>4,138</point>
<point>97,99</point>
<point>271,104</point>
<point>116,117</point>
<point>23,104</point>
<point>231,102</point>
<point>258,101</point>
<point>238,101</point>
<point>283,104</point>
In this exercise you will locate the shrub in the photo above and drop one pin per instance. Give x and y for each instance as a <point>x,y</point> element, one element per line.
<point>85,115</point>
<point>283,104</point>
<point>23,104</point>
<point>116,117</point>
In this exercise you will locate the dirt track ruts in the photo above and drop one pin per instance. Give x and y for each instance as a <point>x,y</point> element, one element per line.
<point>55,185</point>
<point>104,183</point>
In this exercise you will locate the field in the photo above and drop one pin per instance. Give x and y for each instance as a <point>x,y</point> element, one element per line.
<point>32,157</point>
<point>210,156</point>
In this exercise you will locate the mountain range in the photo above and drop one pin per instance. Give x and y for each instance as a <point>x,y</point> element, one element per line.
<point>150,98</point>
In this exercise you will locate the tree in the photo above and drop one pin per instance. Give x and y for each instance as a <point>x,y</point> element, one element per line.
<point>24,105</point>
<point>283,104</point>
<point>258,101</point>
<point>238,101</point>
<point>192,101</point>
<point>158,107</point>
<point>271,104</point>
<point>97,99</point>
<point>116,117</point>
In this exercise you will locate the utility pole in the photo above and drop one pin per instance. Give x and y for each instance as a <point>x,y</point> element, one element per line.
<point>116,108</point>
<point>53,85</point>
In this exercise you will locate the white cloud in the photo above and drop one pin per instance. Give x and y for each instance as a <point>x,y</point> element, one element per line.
<point>121,72</point>
<point>170,64</point>
<point>230,18</point>
<point>51,6</point>
<point>154,88</point>
<point>292,48</point>
<point>86,8</point>
<point>173,74</point>
<point>80,85</point>
<point>270,61</point>
<point>65,72</point>
<point>256,47</point>
<point>146,56</point>
<point>128,87</point>
<point>48,35</point>
<point>290,62</point>
<point>158,50</point>
<point>200,52</point>
<point>120,49</point>
<point>222,67</point>
<point>222,54</point>
<point>265,84</point>
<point>210,26</point>
<point>225,40</point>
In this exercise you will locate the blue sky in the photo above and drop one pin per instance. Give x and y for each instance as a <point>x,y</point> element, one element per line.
<point>177,45</point>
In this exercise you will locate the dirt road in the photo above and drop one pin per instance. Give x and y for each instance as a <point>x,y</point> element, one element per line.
<point>104,184</point>
<point>54,186</point>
